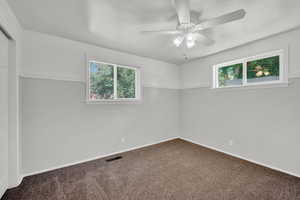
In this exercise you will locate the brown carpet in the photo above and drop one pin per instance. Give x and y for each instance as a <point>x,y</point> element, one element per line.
<point>174,170</point>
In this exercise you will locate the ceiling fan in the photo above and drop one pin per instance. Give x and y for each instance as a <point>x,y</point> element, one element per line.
<point>189,29</point>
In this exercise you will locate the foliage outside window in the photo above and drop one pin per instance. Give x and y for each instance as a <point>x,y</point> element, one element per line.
<point>266,69</point>
<point>126,82</point>
<point>262,69</point>
<point>110,82</point>
<point>230,75</point>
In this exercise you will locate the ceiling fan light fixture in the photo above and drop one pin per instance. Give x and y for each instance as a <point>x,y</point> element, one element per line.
<point>189,29</point>
<point>189,37</point>
<point>177,41</point>
<point>190,43</point>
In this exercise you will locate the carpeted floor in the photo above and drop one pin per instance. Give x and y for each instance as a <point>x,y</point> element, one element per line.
<point>174,170</point>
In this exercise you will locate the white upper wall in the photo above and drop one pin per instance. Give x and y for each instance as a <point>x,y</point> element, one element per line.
<point>198,73</point>
<point>52,57</point>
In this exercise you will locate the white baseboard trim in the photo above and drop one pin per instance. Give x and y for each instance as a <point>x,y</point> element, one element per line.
<point>3,188</point>
<point>96,158</point>
<point>241,157</point>
<point>149,144</point>
<point>20,179</point>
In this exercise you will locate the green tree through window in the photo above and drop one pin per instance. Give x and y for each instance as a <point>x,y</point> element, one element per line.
<point>266,69</point>
<point>126,82</point>
<point>230,75</point>
<point>101,81</point>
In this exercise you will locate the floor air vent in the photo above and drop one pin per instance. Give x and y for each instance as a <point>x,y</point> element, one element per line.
<point>114,158</point>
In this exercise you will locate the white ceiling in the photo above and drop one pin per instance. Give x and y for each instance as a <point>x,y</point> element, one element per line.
<point>115,24</point>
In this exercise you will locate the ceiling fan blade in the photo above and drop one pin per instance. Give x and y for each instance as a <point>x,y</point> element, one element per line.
<point>183,11</point>
<point>236,15</point>
<point>167,32</point>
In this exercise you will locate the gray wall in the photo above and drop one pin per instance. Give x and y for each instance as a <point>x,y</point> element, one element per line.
<point>262,124</point>
<point>60,128</point>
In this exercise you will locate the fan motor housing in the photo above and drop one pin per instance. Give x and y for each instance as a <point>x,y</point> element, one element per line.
<point>194,16</point>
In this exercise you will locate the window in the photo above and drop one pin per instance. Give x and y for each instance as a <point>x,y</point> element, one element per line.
<point>266,68</point>
<point>111,82</point>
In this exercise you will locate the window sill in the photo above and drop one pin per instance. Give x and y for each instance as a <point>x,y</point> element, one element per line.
<point>257,86</point>
<point>117,101</point>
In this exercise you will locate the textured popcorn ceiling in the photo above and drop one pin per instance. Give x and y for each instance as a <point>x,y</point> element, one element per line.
<point>116,24</point>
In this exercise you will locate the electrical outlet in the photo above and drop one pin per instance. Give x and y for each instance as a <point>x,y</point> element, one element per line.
<point>123,140</point>
<point>230,142</point>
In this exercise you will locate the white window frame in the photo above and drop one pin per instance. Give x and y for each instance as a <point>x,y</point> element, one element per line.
<point>115,68</point>
<point>283,70</point>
